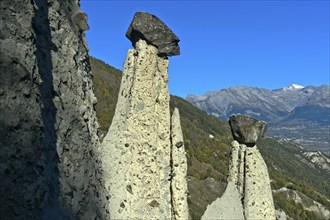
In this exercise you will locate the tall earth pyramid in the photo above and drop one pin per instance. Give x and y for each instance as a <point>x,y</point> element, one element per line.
<point>142,148</point>
<point>248,169</point>
<point>248,195</point>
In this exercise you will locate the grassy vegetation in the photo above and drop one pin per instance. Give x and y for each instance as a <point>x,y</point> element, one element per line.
<point>208,157</point>
<point>287,168</point>
<point>296,211</point>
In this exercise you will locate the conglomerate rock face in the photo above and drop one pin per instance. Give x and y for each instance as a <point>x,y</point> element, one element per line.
<point>49,148</point>
<point>137,151</point>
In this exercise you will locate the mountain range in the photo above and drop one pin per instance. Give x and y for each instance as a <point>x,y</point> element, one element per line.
<point>297,113</point>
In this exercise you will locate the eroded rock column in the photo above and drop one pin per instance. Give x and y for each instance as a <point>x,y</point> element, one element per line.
<point>137,157</point>
<point>179,170</point>
<point>248,194</point>
<point>248,169</point>
<point>236,166</point>
<point>258,198</point>
<point>136,149</point>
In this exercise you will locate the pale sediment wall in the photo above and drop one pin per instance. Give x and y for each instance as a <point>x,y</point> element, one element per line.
<point>137,148</point>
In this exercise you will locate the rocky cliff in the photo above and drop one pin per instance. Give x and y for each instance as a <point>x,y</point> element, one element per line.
<point>251,198</point>
<point>49,160</point>
<point>143,153</point>
<point>268,105</point>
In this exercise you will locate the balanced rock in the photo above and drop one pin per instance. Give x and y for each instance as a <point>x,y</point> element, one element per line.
<point>246,130</point>
<point>143,152</point>
<point>247,169</point>
<point>137,147</point>
<point>148,27</point>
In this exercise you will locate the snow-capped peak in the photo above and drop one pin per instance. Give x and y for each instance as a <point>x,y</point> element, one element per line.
<point>293,87</point>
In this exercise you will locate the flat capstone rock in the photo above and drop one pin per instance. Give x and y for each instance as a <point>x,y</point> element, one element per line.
<point>247,130</point>
<point>148,27</point>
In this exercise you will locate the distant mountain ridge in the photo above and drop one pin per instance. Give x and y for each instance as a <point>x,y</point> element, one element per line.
<point>261,102</point>
<point>295,112</point>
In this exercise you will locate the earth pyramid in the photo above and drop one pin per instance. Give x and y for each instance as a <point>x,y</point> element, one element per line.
<point>144,160</point>
<point>248,194</point>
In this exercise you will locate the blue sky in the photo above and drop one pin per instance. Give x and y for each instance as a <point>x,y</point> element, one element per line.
<point>268,44</point>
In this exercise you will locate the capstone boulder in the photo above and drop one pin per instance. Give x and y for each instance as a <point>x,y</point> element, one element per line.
<point>151,29</point>
<point>246,130</point>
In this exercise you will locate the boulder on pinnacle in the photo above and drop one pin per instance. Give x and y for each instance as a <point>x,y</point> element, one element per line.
<point>148,27</point>
<point>246,130</point>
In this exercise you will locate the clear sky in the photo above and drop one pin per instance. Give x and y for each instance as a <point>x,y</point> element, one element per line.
<point>267,44</point>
